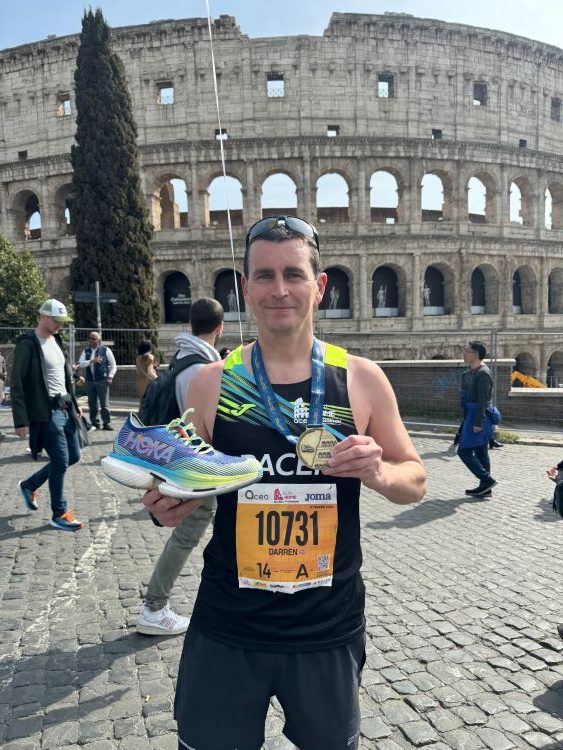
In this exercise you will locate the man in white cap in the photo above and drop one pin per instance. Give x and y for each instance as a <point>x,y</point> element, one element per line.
<point>43,401</point>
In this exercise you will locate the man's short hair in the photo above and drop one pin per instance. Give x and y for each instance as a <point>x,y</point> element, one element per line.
<point>283,234</point>
<point>95,334</point>
<point>478,347</point>
<point>205,315</point>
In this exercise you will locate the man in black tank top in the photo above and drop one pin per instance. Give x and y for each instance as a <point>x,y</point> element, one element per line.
<point>280,608</point>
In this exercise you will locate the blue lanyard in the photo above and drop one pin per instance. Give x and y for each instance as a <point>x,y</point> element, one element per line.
<point>269,398</point>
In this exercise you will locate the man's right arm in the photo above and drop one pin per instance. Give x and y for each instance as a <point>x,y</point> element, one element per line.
<point>84,361</point>
<point>20,368</point>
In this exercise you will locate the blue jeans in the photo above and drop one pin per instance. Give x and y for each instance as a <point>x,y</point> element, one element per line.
<point>59,438</point>
<point>98,390</point>
<point>477,460</point>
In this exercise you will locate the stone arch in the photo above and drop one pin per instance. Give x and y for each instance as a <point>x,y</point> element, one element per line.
<point>336,299</point>
<point>388,291</point>
<point>484,290</point>
<point>63,208</point>
<point>438,290</point>
<point>27,215</point>
<point>435,196</point>
<point>521,197</point>
<point>224,292</point>
<point>332,200</point>
<point>384,197</point>
<point>526,364</point>
<point>524,291</point>
<point>554,377</point>
<point>481,198</point>
<point>553,206</point>
<point>278,195</point>
<point>555,292</point>
<point>220,194</point>
<point>177,297</point>
<point>169,202</point>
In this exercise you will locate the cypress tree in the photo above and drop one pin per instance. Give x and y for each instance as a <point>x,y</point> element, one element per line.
<point>109,211</point>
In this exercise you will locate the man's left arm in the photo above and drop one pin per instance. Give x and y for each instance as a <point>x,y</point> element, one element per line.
<point>112,364</point>
<point>483,393</point>
<point>382,455</point>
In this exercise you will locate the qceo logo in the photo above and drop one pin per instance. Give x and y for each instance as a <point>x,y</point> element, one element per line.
<point>145,446</point>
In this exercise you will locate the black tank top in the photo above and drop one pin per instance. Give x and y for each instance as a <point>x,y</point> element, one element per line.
<point>311,619</point>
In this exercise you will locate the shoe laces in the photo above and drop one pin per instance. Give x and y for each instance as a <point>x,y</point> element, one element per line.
<point>186,432</point>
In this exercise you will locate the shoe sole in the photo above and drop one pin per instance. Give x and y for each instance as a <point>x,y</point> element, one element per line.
<point>28,504</point>
<point>55,525</point>
<point>153,630</point>
<point>138,478</point>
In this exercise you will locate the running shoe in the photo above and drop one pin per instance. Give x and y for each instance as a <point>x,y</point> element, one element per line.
<point>176,460</point>
<point>29,497</point>
<point>163,622</point>
<point>67,522</point>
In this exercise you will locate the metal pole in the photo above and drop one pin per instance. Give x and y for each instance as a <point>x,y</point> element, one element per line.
<point>72,343</point>
<point>98,309</point>
<point>494,363</point>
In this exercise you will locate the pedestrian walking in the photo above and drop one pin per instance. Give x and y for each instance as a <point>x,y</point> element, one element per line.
<point>145,366</point>
<point>280,607</point>
<point>42,396</point>
<point>99,366</point>
<point>477,425</point>
<point>156,617</point>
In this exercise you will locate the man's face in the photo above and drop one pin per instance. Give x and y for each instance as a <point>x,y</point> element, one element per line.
<point>93,341</point>
<point>281,288</point>
<point>469,356</point>
<point>49,325</point>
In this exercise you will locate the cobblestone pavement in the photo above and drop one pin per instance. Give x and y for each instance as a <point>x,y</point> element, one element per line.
<point>463,596</point>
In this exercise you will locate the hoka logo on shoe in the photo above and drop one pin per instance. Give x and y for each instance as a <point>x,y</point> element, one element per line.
<point>148,447</point>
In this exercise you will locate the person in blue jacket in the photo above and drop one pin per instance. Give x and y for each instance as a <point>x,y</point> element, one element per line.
<point>478,418</point>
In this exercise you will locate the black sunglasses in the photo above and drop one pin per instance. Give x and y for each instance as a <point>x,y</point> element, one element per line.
<point>290,222</point>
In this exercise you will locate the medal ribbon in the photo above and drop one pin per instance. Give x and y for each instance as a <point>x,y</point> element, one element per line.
<point>270,400</point>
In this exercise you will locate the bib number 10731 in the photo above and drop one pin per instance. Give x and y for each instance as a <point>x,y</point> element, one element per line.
<point>287,527</point>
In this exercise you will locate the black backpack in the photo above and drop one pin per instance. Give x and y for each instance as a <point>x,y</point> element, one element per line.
<point>558,491</point>
<point>159,405</point>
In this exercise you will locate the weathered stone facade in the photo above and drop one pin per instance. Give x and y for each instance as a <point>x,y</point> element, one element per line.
<point>387,94</point>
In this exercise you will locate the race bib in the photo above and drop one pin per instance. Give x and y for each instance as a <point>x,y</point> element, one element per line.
<point>286,536</point>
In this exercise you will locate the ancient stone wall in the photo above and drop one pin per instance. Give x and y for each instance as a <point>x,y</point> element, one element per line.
<point>392,95</point>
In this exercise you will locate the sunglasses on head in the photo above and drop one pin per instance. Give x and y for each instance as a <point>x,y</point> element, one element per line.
<point>290,222</point>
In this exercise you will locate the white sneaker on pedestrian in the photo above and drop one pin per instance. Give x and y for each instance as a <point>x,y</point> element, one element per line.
<point>163,622</point>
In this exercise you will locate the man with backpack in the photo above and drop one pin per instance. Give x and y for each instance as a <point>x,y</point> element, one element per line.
<point>194,351</point>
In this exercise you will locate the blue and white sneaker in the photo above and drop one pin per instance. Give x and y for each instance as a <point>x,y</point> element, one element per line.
<point>29,497</point>
<point>67,522</point>
<point>176,460</point>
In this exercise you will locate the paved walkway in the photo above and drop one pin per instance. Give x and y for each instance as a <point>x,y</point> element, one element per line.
<point>463,597</point>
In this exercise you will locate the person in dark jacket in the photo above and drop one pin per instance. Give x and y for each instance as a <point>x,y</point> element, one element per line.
<point>477,427</point>
<point>43,404</point>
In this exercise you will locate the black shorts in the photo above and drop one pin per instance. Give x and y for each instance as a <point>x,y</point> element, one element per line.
<point>223,694</point>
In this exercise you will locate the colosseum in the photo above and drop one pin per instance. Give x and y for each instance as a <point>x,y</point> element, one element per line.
<point>428,154</point>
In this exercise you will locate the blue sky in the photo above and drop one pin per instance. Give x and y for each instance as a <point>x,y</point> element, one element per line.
<point>30,20</point>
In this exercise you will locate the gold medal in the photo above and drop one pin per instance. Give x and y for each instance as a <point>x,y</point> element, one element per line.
<point>314,447</point>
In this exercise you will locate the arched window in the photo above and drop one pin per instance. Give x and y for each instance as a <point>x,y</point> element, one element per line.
<point>170,205</point>
<point>220,194</point>
<point>521,202</point>
<point>433,292</point>
<point>478,296</point>
<point>225,293</point>
<point>555,292</point>
<point>525,364</point>
<point>384,198</point>
<point>432,198</point>
<point>554,206</point>
<point>515,204</point>
<point>177,298</point>
<point>385,292</point>
<point>332,198</point>
<point>524,291</point>
<point>336,300</point>
<point>279,196</point>
<point>477,201</point>
<point>555,370</point>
